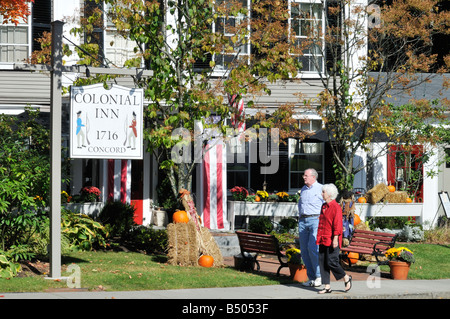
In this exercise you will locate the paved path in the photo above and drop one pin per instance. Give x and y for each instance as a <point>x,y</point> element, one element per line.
<point>382,289</point>
<point>365,286</point>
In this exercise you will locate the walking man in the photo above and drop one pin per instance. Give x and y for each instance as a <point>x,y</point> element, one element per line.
<point>309,208</point>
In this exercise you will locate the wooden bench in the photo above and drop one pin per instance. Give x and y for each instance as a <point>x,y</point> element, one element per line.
<point>370,243</point>
<point>259,244</point>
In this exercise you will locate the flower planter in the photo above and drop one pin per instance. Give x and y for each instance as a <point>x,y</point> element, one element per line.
<point>91,209</point>
<point>269,209</point>
<point>387,210</point>
<point>399,269</point>
<point>298,272</point>
<point>160,218</point>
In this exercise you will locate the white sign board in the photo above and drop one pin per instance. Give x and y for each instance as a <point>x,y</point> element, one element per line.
<point>106,123</point>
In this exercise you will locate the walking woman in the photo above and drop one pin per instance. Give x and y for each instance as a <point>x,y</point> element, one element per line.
<point>329,237</point>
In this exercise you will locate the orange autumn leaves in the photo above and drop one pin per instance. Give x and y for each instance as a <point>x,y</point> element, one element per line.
<point>12,11</point>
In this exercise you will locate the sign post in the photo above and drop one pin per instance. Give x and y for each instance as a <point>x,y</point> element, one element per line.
<point>55,150</point>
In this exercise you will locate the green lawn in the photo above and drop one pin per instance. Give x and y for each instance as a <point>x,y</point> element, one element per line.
<point>432,261</point>
<point>133,271</point>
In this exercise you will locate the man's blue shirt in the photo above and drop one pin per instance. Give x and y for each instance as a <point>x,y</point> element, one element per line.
<point>311,200</point>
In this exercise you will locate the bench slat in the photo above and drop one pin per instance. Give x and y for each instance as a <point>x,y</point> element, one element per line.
<point>364,242</point>
<point>373,233</point>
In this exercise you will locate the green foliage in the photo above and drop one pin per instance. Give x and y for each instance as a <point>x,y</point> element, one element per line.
<point>24,163</point>
<point>82,231</point>
<point>288,224</point>
<point>261,225</point>
<point>148,239</point>
<point>18,229</point>
<point>118,218</point>
<point>8,269</point>
<point>388,222</point>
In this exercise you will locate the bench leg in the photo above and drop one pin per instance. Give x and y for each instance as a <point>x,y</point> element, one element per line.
<point>279,269</point>
<point>345,257</point>
<point>248,264</point>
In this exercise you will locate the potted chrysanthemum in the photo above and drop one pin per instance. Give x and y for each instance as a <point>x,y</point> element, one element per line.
<point>296,266</point>
<point>400,260</point>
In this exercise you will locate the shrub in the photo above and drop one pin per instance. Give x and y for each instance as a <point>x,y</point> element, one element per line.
<point>118,218</point>
<point>148,239</point>
<point>8,269</point>
<point>261,225</point>
<point>287,224</point>
<point>82,231</point>
<point>411,233</point>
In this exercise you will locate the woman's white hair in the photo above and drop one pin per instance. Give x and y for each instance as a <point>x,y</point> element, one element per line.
<point>331,190</point>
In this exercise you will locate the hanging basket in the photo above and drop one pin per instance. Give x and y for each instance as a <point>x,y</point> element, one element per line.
<point>399,270</point>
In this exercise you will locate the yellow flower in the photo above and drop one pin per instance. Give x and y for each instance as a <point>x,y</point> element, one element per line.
<point>262,194</point>
<point>282,194</point>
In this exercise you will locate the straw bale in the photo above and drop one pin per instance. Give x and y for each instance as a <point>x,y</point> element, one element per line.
<point>211,248</point>
<point>396,197</point>
<point>362,226</point>
<point>188,241</point>
<point>183,244</point>
<point>377,193</point>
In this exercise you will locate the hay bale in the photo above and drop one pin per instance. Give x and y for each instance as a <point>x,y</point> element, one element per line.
<point>377,193</point>
<point>362,226</point>
<point>396,197</point>
<point>210,247</point>
<point>186,244</point>
<point>183,244</point>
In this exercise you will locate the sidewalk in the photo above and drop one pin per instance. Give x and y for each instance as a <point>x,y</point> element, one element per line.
<point>364,286</point>
<point>383,289</point>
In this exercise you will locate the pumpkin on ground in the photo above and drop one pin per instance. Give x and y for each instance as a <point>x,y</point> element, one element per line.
<point>409,200</point>
<point>180,217</point>
<point>353,257</point>
<point>206,261</point>
<point>362,200</point>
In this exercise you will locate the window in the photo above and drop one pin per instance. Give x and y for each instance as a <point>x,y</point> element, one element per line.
<point>14,43</point>
<point>95,36</point>
<point>41,13</point>
<point>306,20</point>
<point>238,164</point>
<point>226,26</point>
<point>312,125</point>
<point>302,156</point>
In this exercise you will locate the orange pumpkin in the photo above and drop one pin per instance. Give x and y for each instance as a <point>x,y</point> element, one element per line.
<point>409,200</point>
<point>356,220</point>
<point>362,200</point>
<point>180,217</point>
<point>257,199</point>
<point>391,188</point>
<point>353,257</point>
<point>206,261</point>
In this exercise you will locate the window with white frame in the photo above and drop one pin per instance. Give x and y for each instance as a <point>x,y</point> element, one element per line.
<point>226,26</point>
<point>306,20</point>
<point>304,155</point>
<point>311,125</point>
<point>14,42</point>
<point>238,164</point>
